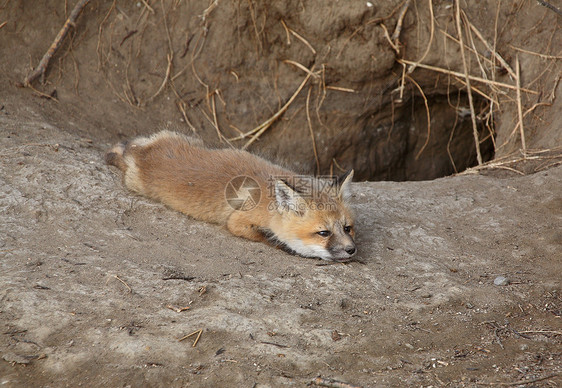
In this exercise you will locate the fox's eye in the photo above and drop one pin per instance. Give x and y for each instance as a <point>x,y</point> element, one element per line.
<point>324,233</point>
<point>347,229</point>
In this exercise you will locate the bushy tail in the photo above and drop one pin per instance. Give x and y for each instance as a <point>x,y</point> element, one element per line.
<point>115,157</point>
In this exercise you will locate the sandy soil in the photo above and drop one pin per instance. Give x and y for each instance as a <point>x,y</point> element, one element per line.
<point>90,273</point>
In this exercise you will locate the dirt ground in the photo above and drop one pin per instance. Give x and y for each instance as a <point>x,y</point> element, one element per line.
<point>457,281</point>
<point>89,273</point>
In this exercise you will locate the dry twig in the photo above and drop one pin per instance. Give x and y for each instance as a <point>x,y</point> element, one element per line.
<point>491,49</point>
<point>522,382</point>
<point>395,38</point>
<point>331,383</point>
<point>178,309</point>
<point>148,6</point>
<point>550,6</point>
<point>70,22</point>
<point>198,332</point>
<point>462,75</point>
<point>260,129</point>
<point>122,281</point>
<point>510,159</point>
<point>340,89</point>
<point>299,37</point>
<point>537,54</point>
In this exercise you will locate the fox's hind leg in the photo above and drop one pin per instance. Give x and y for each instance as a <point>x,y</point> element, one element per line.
<point>128,156</point>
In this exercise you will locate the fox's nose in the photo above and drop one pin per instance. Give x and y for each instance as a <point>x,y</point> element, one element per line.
<point>350,249</point>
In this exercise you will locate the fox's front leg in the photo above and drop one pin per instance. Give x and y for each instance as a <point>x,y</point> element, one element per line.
<point>240,224</point>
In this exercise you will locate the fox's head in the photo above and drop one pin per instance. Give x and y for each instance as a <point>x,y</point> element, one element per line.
<point>314,218</point>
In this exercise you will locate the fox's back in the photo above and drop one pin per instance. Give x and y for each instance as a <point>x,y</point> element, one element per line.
<point>185,175</point>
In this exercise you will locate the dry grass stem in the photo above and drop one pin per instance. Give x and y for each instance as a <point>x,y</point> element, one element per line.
<point>265,125</point>
<point>165,20</point>
<point>178,309</point>
<point>471,77</point>
<point>369,22</point>
<point>340,89</point>
<point>100,31</point>
<point>452,134</point>
<point>129,290</point>
<point>519,107</point>
<point>148,6</point>
<point>44,95</point>
<point>480,92</point>
<point>169,57</point>
<point>215,119</point>
<point>387,36</point>
<point>302,67</point>
<point>304,41</point>
<point>482,57</point>
<point>338,166</point>
<point>260,129</point>
<point>522,382</point>
<point>296,35</point>
<point>540,332</point>
<point>502,61</point>
<point>331,383</point>
<point>537,54</point>
<point>286,31</point>
<point>398,29</point>
<point>467,78</point>
<point>311,131</point>
<point>402,86</point>
<point>431,33</point>
<point>427,115</point>
<point>473,45</point>
<point>505,161</point>
<point>208,10</point>
<point>198,332</point>
<point>550,6</point>
<point>181,106</point>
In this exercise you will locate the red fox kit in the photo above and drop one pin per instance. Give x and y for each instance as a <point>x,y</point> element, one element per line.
<point>252,197</point>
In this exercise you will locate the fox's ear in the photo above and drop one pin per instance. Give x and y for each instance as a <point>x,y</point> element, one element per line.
<point>344,184</point>
<point>288,199</point>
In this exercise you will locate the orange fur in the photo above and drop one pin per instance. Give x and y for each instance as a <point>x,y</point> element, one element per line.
<point>182,173</point>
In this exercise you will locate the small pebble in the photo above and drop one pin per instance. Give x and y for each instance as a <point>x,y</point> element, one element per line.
<point>501,281</point>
